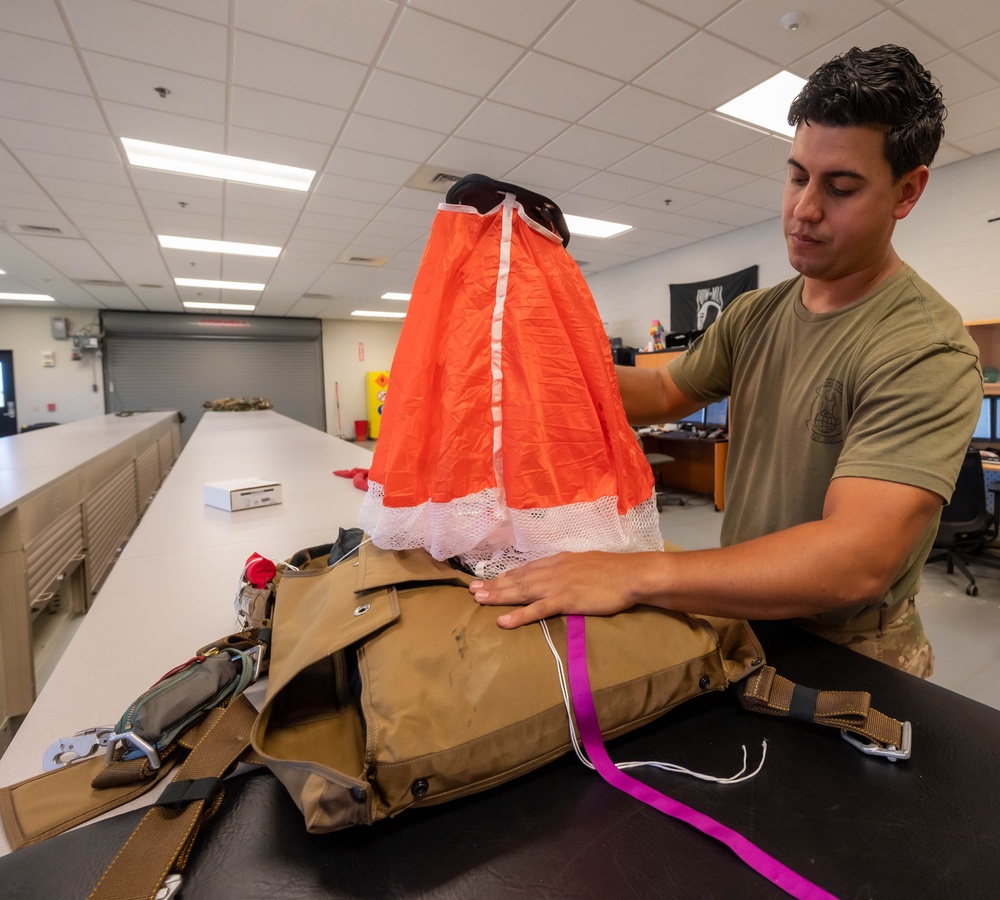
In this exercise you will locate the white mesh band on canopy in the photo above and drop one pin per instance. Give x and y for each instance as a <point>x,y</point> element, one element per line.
<point>503,437</point>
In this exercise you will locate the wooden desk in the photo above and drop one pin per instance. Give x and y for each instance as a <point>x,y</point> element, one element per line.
<point>698,465</point>
<point>69,498</point>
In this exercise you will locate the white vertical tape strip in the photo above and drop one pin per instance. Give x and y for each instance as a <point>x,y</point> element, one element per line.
<point>496,339</point>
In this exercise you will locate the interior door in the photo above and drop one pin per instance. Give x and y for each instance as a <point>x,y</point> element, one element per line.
<point>8,408</point>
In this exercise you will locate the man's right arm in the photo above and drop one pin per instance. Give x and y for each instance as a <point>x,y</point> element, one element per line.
<point>651,396</point>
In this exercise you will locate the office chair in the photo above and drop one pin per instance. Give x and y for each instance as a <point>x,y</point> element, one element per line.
<point>966,527</point>
<point>663,495</point>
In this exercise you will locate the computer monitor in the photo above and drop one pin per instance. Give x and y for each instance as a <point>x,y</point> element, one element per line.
<point>986,426</point>
<point>696,418</point>
<point>717,414</point>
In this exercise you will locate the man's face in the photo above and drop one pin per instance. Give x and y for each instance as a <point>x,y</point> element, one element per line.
<point>840,202</point>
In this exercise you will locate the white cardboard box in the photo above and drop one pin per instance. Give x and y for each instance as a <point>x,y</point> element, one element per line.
<point>242,493</point>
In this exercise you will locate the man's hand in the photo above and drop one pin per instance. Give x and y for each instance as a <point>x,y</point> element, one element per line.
<point>593,583</point>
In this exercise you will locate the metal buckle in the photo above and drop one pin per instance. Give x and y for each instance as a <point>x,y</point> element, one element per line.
<point>891,753</point>
<point>257,654</point>
<point>171,887</point>
<point>68,750</point>
<point>139,743</point>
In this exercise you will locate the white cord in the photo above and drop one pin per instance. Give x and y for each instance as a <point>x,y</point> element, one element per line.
<point>666,767</point>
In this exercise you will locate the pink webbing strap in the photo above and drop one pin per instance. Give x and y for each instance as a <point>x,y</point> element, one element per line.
<point>590,732</point>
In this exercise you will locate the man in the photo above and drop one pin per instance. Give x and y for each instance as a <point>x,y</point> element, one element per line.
<point>854,393</point>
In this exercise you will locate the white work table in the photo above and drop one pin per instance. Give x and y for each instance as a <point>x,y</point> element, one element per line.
<point>34,459</point>
<point>172,589</point>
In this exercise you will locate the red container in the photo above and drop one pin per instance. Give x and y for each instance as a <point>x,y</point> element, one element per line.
<point>361,429</point>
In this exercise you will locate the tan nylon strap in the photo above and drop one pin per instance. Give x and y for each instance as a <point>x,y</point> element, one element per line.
<point>163,839</point>
<point>766,691</point>
<point>53,802</point>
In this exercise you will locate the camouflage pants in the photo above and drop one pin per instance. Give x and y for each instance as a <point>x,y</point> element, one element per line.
<point>899,642</point>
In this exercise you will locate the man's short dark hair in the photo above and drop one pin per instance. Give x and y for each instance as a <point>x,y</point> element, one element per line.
<point>884,88</point>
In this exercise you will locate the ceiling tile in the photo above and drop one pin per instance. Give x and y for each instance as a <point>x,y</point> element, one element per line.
<point>277,148</point>
<point>656,165</point>
<point>29,103</point>
<point>389,138</point>
<point>550,176</point>
<point>35,18</point>
<point>213,10</point>
<point>409,102</point>
<point>717,210</point>
<point>352,188</point>
<point>713,179</point>
<point>971,117</point>
<point>709,137</point>
<point>285,115</point>
<point>134,83</point>
<point>520,21</point>
<point>570,92</point>
<point>57,188</point>
<point>610,186</point>
<point>706,72</point>
<point>960,79</point>
<point>278,68</point>
<point>48,138</point>
<point>949,153</point>
<point>589,147</point>
<point>985,53</point>
<point>943,21</point>
<point>751,217</point>
<point>369,166</point>
<point>698,12</point>
<point>756,25</point>
<point>75,258</point>
<point>658,198</point>
<point>620,39</point>
<point>430,49</point>
<point>887,28</point>
<point>165,128</point>
<point>157,37</point>
<point>763,193</point>
<point>640,115</point>
<point>461,155</point>
<point>50,164</point>
<point>353,29</point>
<point>42,63</point>
<point>766,157</point>
<point>508,126</point>
<point>982,143</point>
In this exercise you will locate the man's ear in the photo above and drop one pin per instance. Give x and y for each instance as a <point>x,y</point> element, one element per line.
<point>908,189</point>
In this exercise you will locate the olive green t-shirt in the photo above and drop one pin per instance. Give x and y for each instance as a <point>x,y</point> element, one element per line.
<point>887,388</point>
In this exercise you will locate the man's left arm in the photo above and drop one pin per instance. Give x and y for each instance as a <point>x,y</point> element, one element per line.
<point>848,558</point>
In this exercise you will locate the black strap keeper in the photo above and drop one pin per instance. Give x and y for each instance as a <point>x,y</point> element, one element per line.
<point>803,703</point>
<point>179,794</point>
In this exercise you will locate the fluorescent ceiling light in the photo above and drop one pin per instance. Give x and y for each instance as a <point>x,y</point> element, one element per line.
<point>173,242</point>
<point>2,272</point>
<point>394,296</point>
<point>378,314</point>
<point>225,285</point>
<point>594,227</point>
<point>191,304</point>
<point>148,155</point>
<point>766,105</point>
<point>44,298</point>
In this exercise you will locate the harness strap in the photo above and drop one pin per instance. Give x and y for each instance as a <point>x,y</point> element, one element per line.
<point>590,732</point>
<point>162,841</point>
<point>765,691</point>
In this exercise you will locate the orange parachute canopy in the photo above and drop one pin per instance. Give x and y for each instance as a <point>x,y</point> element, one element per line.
<point>503,436</point>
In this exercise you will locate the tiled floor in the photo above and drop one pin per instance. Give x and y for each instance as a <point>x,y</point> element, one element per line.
<point>964,631</point>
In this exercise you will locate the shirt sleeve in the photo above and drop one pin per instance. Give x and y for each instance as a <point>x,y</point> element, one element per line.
<point>913,419</point>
